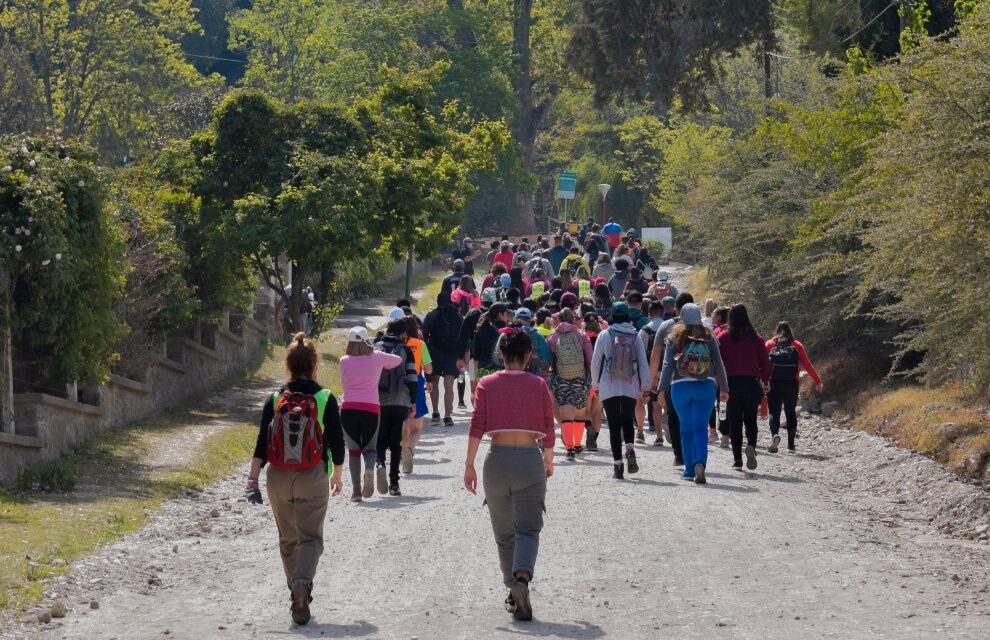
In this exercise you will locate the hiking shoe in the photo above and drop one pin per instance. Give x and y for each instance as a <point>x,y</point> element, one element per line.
<point>712,436</point>
<point>520,594</point>
<point>510,603</point>
<point>578,450</point>
<point>300,604</point>
<point>791,447</point>
<point>461,405</point>
<point>368,487</point>
<point>570,455</point>
<point>356,496</point>
<point>435,418</point>
<point>737,466</point>
<point>750,457</point>
<point>641,438</point>
<point>448,421</point>
<point>678,461</point>
<point>393,490</point>
<point>631,461</point>
<point>407,460</point>
<point>724,442</point>
<point>699,474</point>
<point>618,471</point>
<point>774,445</point>
<point>382,479</point>
<point>658,442</point>
<point>591,441</point>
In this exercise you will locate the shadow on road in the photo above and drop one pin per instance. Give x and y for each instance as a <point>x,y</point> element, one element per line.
<point>538,629</point>
<point>326,630</point>
<point>397,502</point>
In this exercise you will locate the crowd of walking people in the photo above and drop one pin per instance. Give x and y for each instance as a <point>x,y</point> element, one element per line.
<point>549,347</point>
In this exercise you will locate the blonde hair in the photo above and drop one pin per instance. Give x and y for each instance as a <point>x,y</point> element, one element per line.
<point>300,359</point>
<point>710,306</point>
<point>359,348</point>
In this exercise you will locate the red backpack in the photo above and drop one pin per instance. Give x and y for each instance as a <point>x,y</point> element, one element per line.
<point>295,435</point>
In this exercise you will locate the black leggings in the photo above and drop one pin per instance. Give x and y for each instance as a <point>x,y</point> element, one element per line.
<point>461,388</point>
<point>673,425</point>
<point>783,395</point>
<point>745,395</point>
<point>390,439</point>
<point>621,414</point>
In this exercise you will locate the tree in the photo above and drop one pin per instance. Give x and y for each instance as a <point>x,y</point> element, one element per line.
<point>659,50</point>
<point>103,66</point>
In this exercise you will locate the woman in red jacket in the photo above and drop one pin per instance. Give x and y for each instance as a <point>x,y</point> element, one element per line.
<point>747,365</point>
<point>787,356</point>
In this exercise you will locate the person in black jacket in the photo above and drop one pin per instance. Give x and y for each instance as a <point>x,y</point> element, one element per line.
<point>441,330</point>
<point>299,495</point>
<point>465,341</point>
<point>483,347</point>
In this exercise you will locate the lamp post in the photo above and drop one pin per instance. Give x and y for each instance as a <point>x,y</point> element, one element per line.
<point>603,188</point>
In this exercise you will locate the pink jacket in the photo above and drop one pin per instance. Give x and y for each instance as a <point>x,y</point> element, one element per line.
<point>359,376</point>
<point>474,299</point>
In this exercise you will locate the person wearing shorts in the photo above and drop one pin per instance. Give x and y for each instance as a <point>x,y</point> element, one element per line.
<point>570,381</point>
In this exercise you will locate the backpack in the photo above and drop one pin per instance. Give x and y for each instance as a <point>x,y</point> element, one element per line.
<point>584,289</point>
<point>295,435</point>
<point>541,352</point>
<point>570,356</point>
<point>538,289</point>
<point>622,360</point>
<point>651,340</point>
<point>491,295</point>
<point>784,361</point>
<point>661,290</point>
<point>394,379</point>
<point>446,330</point>
<point>464,305</point>
<point>695,361</point>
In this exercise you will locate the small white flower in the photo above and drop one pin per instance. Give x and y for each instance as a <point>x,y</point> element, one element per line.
<point>45,263</point>
<point>82,183</point>
<point>38,193</point>
<point>27,231</point>
<point>8,168</point>
<point>58,256</point>
<point>32,163</point>
<point>17,231</point>
<point>30,218</point>
<point>24,149</point>
<point>17,248</point>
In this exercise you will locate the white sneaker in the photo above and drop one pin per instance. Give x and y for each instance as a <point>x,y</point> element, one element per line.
<point>382,479</point>
<point>368,486</point>
<point>407,460</point>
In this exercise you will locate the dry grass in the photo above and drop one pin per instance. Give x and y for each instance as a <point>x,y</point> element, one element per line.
<point>950,424</point>
<point>701,286</point>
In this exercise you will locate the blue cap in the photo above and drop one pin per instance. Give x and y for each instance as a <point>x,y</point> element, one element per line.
<point>523,312</point>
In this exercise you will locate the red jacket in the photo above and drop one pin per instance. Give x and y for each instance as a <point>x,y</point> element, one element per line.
<point>803,359</point>
<point>747,356</point>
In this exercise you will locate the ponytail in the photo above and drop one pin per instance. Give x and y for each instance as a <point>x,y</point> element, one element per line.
<point>301,358</point>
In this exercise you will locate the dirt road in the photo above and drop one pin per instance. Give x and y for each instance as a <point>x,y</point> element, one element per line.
<point>840,540</point>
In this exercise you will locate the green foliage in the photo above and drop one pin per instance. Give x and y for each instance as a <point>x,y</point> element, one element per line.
<point>61,257</point>
<point>51,476</point>
<point>914,16</point>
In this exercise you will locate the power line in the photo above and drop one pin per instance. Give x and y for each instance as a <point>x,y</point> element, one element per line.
<point>193,55</point>
<point>866,26</point>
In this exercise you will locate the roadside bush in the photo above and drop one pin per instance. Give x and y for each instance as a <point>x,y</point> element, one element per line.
<point>55,476</point>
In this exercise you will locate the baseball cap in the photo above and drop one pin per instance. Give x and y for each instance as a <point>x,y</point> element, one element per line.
<point>620,312</point>
<point>395,314</point>
<point>360,334</point>
<point>458,265</point>
<point>691,314</point>
<point>523,312</point>
<point>497,309</point>
<point>568,300</point>
<point>668,300</point>
<point>506,280</point>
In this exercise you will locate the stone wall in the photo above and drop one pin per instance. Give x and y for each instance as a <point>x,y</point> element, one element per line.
<point>47,426</point>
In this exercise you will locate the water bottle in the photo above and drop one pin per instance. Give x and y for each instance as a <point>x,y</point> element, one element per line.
<point>722,414</point>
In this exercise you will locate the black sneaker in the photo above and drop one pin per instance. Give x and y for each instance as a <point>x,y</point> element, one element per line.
<point>750,457</point>
<point>393,490</point>
<point>774,445</point>
<point>658,442</point>
<point>631,461</point>
<point>448,421</point>
<point>791,447</point>
<point>520,594</point>
<point>435,418</point>
<point>300,604</point>
<point>699,474</point>
<point>737,465</point>
<point>510,603</point>
<point>578,450</point>
<point>461,405</point>
<point>570,455</point>
<point>618,471</point>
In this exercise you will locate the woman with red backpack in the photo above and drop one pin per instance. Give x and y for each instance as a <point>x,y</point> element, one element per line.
<point>787,356</point>
<point>570,378</point>
<point>298,481</point>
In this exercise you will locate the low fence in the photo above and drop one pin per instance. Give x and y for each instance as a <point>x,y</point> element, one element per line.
<point>47,426</point>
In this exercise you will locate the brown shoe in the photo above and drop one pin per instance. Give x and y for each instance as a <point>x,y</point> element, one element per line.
<point>300,603</point>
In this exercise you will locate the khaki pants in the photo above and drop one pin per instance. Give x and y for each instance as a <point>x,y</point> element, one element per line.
<point>299,501</point>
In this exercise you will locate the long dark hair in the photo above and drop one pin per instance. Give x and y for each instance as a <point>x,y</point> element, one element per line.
<point>516,277</point>
<point>739,324</point>
<point>783,333</point>
<point>467,284</point>
<point>603,297</point>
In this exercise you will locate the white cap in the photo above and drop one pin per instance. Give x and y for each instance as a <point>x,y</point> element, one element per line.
<point>396,314</point>
<point>359,334</point>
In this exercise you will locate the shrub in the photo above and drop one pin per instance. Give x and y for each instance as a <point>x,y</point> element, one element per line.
<point>52,476</point>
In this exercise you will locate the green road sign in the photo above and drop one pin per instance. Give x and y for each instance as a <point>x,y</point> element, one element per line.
<point>567,185</point>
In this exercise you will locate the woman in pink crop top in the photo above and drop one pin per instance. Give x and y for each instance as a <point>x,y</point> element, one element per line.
<point>516,410</point>
<point>360,371</point>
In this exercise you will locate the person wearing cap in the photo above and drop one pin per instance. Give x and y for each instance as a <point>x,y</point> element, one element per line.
<point>620,374</point>
<point>467,254</point>
<point>453,280</point>
<point>669,307</point>
<point>656,360</point>
<point>441,328</point>
<point>539,361</point>
<point>568,301</point>
<point>360,372</point>
<point>483,346</point>
<point>692,372</point>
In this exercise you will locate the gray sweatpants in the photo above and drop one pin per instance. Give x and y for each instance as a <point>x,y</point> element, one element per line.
<point>299,502</point>
<point>515,483</point>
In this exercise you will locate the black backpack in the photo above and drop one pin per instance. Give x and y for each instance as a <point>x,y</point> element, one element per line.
<point>446,329</point>
<point>784,361</point>
<point>652,333</point>
<point>393,380</point>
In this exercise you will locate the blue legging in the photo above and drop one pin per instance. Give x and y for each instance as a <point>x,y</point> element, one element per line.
<point>693,402</point>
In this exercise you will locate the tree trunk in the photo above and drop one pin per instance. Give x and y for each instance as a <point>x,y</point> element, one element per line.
<point>6,358</point>
<point>523,222</point>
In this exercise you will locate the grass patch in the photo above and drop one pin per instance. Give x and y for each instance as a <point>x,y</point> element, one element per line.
<point>951,424</point>
<point>53,475</point>
<point>430,283</point>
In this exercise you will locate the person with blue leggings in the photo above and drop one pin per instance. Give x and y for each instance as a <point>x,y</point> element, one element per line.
<point>692,365</point>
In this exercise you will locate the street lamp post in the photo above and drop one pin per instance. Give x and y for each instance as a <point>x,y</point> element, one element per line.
<point>603,188</point>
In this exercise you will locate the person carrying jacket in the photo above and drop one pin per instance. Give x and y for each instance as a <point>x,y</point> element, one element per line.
<point>620,375</point>
<point>787,357</point>
<point>299,497</point>
<point>747,365</point>
<point>693,372</point>
<point>441,328</point>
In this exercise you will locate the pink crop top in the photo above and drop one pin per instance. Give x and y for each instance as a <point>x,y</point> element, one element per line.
<point>513,401</point>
